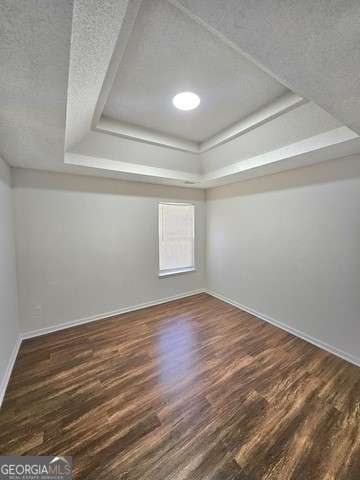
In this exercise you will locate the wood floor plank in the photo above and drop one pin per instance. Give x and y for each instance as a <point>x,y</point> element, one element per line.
<point>194,389</point>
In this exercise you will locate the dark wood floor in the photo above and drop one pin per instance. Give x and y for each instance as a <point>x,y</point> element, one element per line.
<point>193,389</point>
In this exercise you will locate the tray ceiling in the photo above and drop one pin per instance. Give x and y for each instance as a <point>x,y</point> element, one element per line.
<point>168,52</point>
<point>64,64</point>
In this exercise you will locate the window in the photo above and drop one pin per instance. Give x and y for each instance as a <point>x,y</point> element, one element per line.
<point>176,238</point>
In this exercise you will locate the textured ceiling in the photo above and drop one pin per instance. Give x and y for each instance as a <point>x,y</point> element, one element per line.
<point>95,31</point>
<point>311,46</point>
<point>167,53</point>
<point>34,60</point>
<point>55,59</point>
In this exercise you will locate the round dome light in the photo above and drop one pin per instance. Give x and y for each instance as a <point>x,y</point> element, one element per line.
<point>186,101</point>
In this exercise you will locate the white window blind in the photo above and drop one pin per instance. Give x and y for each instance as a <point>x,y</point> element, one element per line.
<point>176,236</point>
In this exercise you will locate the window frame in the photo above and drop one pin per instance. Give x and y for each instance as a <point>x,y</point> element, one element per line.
<point>176,271</point>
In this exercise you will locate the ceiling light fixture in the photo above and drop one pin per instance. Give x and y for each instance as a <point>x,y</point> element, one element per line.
<point>186,101</point>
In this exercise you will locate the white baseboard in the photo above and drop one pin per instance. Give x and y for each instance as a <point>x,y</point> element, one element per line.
<point>73,323</point>
<point>308,338</point>
<point>9,369</point>
<point>119,311</point>
<point>43,331</point>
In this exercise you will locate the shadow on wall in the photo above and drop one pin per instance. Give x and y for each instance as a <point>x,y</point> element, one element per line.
<point>326,172</point>
<point>40,179</point>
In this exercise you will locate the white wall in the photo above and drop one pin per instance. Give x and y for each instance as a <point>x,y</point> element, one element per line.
<point>9,329</point>
<point>89,246</point>
<point>288,247</point>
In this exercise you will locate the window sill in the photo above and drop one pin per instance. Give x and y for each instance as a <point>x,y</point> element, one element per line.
<point>177,271</point>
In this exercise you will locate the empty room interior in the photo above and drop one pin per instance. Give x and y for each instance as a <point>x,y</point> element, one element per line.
<point>180,239</point>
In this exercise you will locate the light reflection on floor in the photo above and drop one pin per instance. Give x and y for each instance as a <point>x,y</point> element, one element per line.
<point>177,351</point>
